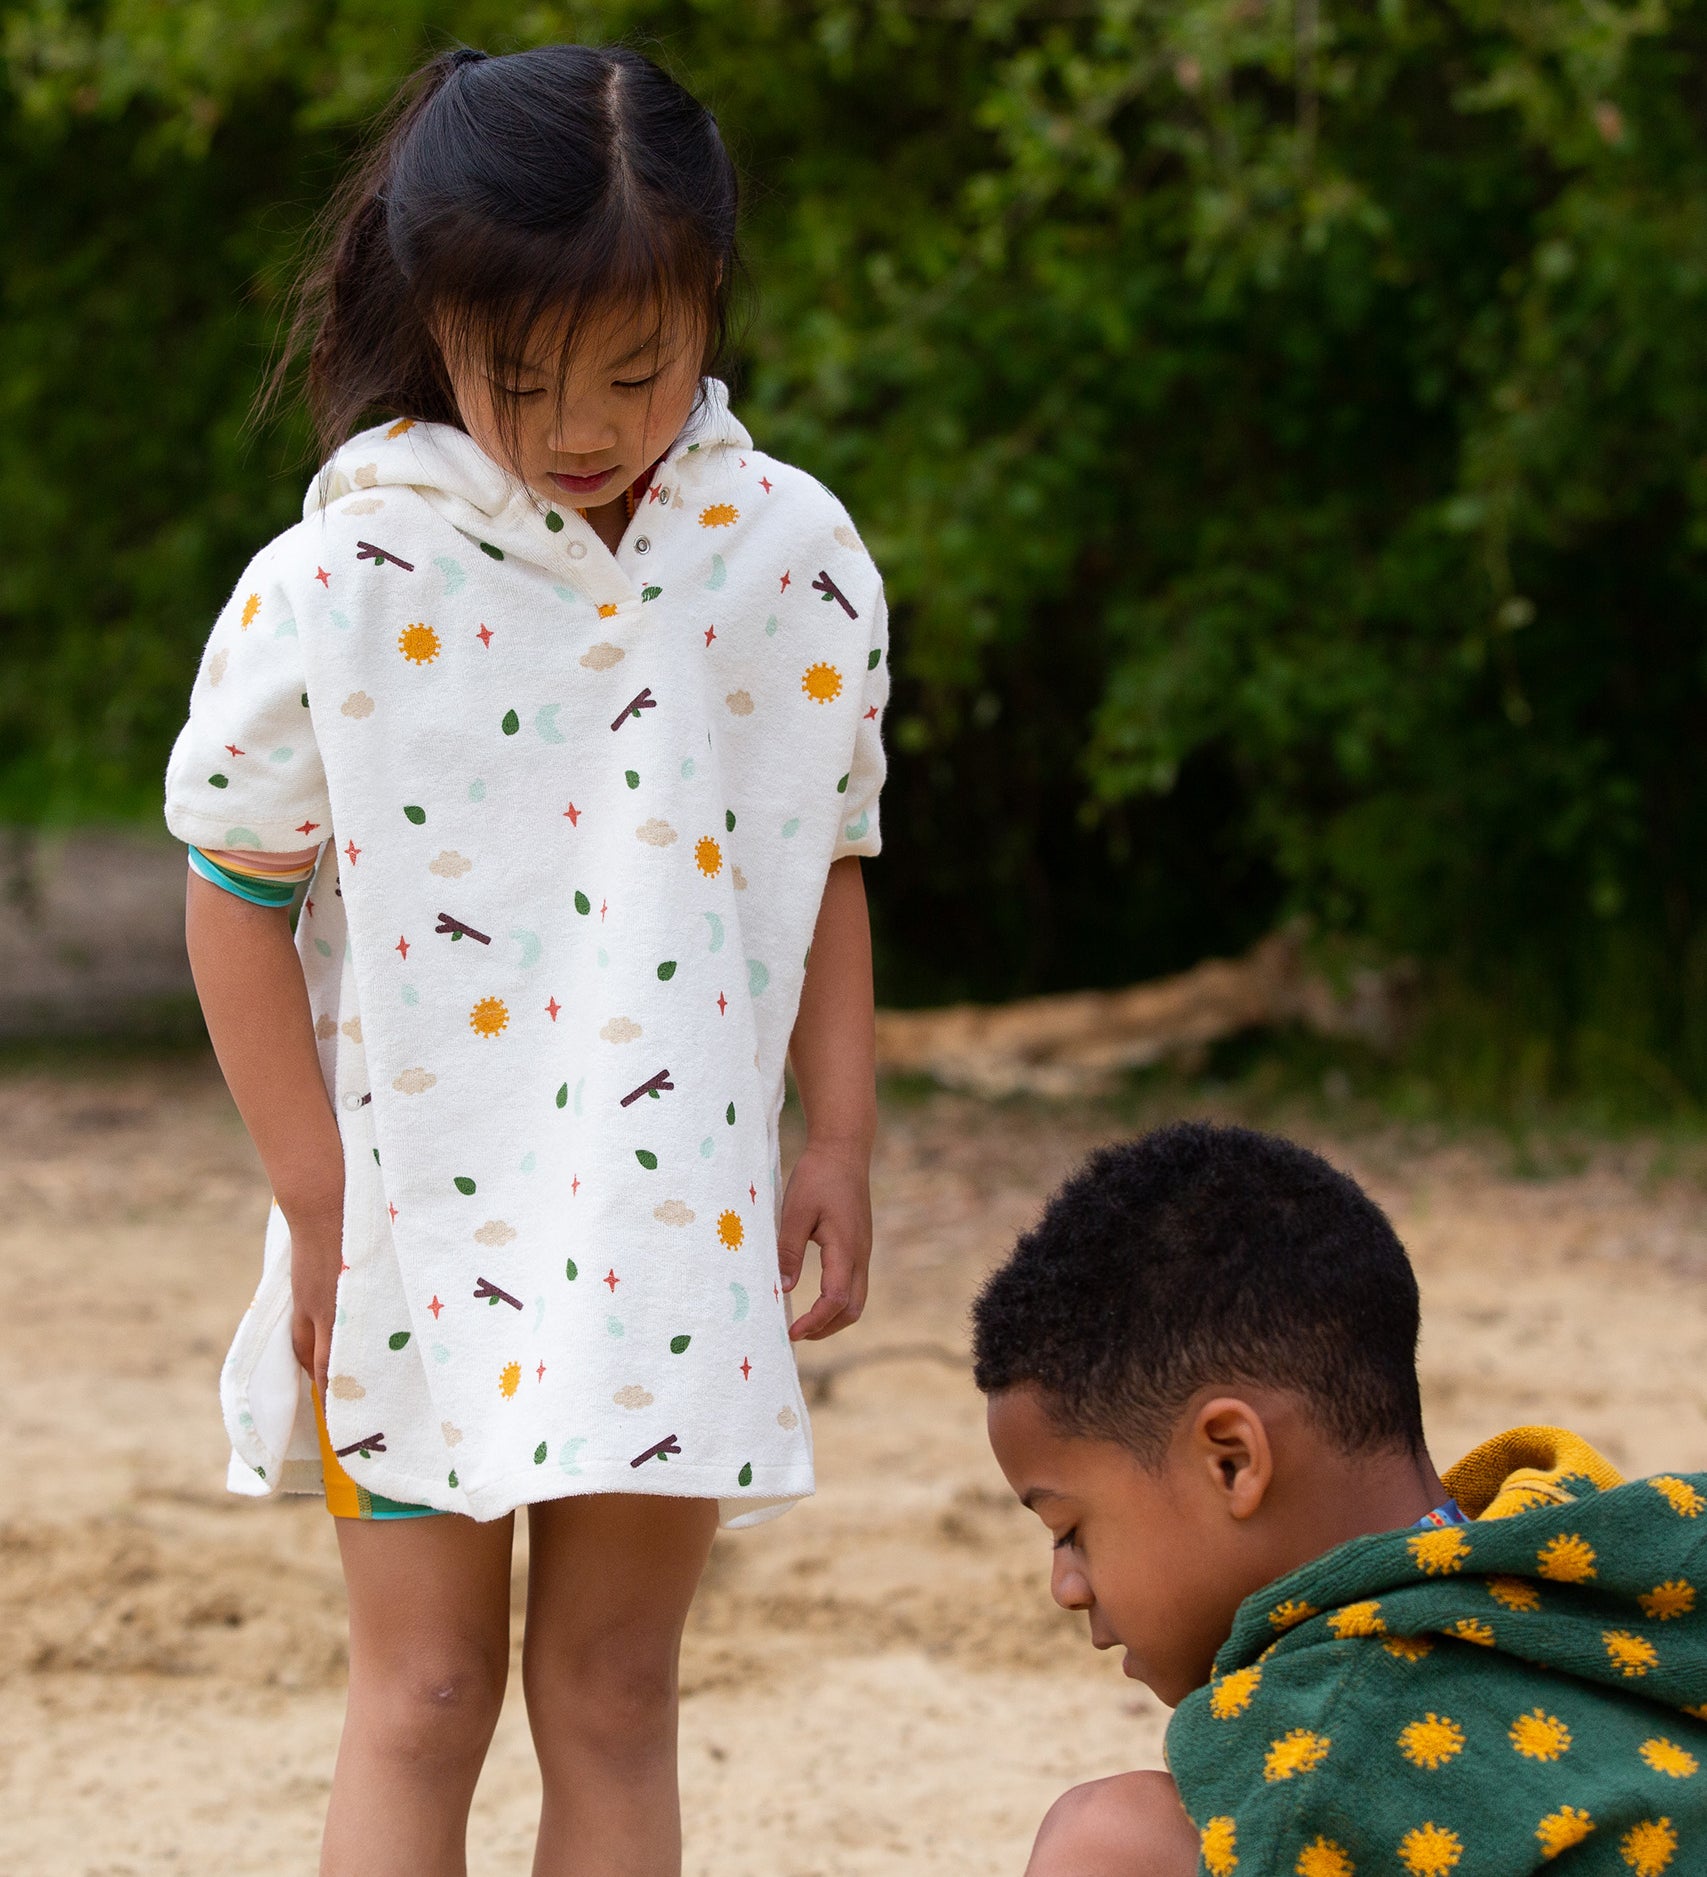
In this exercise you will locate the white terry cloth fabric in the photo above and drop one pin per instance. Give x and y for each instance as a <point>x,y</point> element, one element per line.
<point>579,808</point>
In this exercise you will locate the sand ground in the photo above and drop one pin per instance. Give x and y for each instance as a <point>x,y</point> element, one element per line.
<point>874,1683</point>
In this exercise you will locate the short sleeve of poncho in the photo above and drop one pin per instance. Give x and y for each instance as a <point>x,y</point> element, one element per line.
<point>859,833</point>
<point>245,771</point>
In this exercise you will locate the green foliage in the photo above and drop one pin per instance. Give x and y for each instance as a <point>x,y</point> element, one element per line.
<point>1283,426</point>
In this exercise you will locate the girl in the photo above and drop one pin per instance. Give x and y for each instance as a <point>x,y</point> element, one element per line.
<point>565,700</point>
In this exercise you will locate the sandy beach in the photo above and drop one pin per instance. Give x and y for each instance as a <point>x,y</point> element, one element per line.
<point>876,1682</point>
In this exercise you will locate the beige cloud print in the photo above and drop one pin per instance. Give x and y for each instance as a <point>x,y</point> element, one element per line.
<point>415,1082</point>
<point>633,1396</point>
<point>621,1030</point>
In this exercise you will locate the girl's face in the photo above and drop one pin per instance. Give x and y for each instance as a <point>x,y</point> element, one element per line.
<point>582,439</point>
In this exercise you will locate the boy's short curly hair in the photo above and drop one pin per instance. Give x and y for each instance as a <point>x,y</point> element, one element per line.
<point>1196,1256</point>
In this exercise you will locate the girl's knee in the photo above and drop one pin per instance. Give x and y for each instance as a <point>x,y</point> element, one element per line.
<point>1130,1826</point>
<point>437,1711</point>
<point>615,1694</point>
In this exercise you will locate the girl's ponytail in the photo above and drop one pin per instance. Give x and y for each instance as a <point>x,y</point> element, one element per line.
<point>500,192</point>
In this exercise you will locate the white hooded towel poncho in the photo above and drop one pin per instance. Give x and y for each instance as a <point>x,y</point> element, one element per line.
<point>579,809</point>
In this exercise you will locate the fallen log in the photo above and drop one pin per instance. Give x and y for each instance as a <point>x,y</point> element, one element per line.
<point>1081,1042</point>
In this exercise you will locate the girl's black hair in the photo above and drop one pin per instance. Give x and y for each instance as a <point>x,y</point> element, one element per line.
<point>504,197</point>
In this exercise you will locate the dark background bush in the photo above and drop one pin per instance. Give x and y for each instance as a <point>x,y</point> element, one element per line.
<point>1283,432</point>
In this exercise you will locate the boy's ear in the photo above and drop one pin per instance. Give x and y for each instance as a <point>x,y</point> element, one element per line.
<point>1230,1448</point>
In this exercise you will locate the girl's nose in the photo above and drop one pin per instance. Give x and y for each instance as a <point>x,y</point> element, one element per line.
<point>581,429</point>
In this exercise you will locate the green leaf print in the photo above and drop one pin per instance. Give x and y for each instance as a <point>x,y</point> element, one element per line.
<point>729,819</point>
<point>219,781</point>
<point>554,521</point>
<point>583,905</point>
<point>647,1159</point>
<point>452,1480</point>
<point>730,1115</point>
<point>512,723</point>
<point>305,700</point>
<point>414,814</point>
<point>571,1270</point>
<point>678,1344</point>
<point>463,1185</point>
<point>842,786</point>
<point>875,659</point>
<point>398,1339</point>
<point>745,1476</point>
<point>486,547</point>
<point>631,777</point>
<point>666,971</point>
<point>650,593</point>
<point>563,1096</point>
<point>539,1454</point>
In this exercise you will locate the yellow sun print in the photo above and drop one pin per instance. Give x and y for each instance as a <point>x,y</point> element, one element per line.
<point>1324,1858</point>
<point>1473,1629</point>
<point>719,515</point>
<point>1358,1619</point>
<point>822,683</point>
<point>1559,1830</point>
<point>1432,1741</point>
<point>251,606</point>
<point>1566,1559</point>
<point>730,1230</point>
<point>1683,1499</point>
<point>1516,1593</point>
<point>1231,1695</point>
<point>1675,1597</point>
<point>1430,1850</point>
<point>1291,1611</point>
<point>489,1017</point>
<point>708,857</point>
<point>1539,1735</point>
<point>419,644</point>
<point>1631,1654</point>
<point>1664,1756</point>
<point>1407,1648</point>
<point>1439,1552</point>
<point>607,611</point>
<point>1297,1752</point>
<point>1649,1847</point>
<point>1217,1842</point>
<point>509,1379</point>
<point>402,424</point>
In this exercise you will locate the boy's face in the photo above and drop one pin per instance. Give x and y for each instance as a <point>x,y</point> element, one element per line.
<point>1155,1556</point>
<point>583,440</point>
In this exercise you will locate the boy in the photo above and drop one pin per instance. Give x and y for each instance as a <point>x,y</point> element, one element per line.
<point>1200,1371</point>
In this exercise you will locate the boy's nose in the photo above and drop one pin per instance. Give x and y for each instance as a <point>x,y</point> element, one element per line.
<point>1067,1583</point>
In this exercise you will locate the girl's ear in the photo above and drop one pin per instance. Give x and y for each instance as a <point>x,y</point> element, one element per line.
<point>1230,1449</point>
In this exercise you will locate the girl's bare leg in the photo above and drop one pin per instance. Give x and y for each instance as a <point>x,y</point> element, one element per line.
<point>429,1652</point>
<point>610,1579</point>
<point>1132,1825</point>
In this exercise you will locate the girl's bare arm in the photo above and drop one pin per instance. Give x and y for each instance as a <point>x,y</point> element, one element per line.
<point>834,1054</point>
<point>255,1002</point>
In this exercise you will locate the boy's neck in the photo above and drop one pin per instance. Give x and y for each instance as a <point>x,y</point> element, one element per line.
<point>1369,1493</point>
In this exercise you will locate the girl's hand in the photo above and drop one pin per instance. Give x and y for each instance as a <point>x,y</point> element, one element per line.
<point>828,1202</point>
<point>316,1260</point>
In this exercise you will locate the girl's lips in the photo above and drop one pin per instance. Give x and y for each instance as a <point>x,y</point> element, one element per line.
<point>582,485</point>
